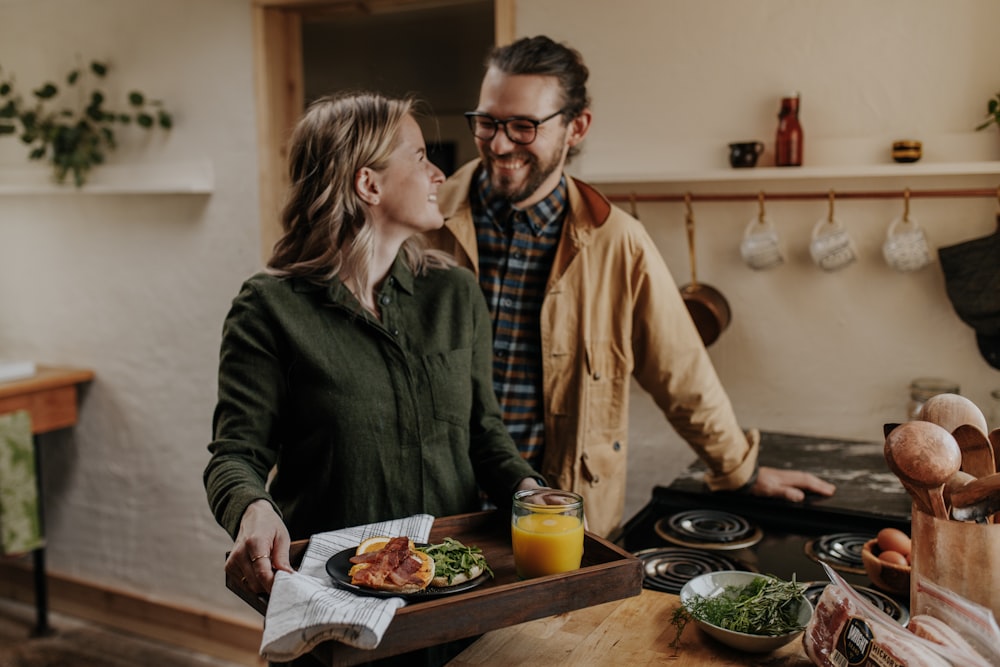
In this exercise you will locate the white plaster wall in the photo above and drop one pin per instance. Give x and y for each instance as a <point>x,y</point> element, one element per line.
<point>136,286</point>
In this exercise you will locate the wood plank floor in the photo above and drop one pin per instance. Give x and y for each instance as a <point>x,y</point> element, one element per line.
<point>77,643</point>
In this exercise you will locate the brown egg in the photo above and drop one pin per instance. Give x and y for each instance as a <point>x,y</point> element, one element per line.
<point>893,539</point>
<point>893,557</point>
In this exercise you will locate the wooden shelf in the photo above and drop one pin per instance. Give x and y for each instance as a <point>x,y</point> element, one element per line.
<point>187,177</point>
<point>831,172</point>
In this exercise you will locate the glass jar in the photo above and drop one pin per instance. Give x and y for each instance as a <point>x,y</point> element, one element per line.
<point>546,532</point>
<point>923,388</point>
<point>994,411</point>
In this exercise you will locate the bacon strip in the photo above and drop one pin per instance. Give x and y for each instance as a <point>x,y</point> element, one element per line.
<point>394,563</point>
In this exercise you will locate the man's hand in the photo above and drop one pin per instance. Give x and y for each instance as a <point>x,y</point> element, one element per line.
<point>789,484</point>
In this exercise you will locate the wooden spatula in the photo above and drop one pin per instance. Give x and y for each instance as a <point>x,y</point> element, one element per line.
<point>995,443</point>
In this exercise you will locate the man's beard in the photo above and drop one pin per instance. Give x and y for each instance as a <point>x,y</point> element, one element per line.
<point>538,172</point>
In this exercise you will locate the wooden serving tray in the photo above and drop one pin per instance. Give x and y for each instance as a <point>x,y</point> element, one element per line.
<point>607,573</point>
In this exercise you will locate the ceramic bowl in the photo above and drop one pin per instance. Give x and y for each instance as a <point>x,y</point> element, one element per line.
<point>887,576</point>
<point>713,583</point>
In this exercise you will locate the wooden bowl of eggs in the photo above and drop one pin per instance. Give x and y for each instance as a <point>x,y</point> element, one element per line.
<point>887,560</point>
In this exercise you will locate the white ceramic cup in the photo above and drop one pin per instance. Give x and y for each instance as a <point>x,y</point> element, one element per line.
<point>905,247</point>
<point>831,246</point>
<point>761,247</point>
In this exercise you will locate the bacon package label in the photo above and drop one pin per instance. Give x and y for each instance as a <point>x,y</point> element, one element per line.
<point>856,645</point>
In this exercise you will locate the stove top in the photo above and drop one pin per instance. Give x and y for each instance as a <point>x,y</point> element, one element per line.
<point>686,530</point>
<point>708,529</point>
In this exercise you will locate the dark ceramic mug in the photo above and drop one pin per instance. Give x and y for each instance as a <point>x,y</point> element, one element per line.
<point>745,153</point>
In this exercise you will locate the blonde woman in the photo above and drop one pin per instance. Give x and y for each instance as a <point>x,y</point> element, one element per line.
<point>358,365</point>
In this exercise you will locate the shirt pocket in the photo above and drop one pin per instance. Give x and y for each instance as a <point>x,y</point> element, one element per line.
<point>449,375</point>
<point>607,386</point>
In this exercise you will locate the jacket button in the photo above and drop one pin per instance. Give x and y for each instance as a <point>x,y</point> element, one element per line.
<point>385,299</point>
<point>395,332</point>
<point>617,446</point>
<point>597,376</point>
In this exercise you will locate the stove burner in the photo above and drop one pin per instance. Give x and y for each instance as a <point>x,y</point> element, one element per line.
<point>708,529</point>
<point>667,569</point>
<point>880,601</point>
<point>841,551</point>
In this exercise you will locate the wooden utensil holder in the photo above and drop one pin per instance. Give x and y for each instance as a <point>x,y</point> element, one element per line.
<point>963,557</point>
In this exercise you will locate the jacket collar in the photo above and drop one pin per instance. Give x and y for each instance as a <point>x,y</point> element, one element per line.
<point>589,207</point>
<point>588,210</point>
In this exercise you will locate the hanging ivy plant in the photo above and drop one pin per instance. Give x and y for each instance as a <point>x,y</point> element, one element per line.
<point>73,138</point>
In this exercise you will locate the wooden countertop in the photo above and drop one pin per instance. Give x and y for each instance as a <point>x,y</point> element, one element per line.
<point>633,631</point>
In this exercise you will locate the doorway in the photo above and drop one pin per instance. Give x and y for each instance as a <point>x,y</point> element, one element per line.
<point>435,54</point>
<point>431,48</point>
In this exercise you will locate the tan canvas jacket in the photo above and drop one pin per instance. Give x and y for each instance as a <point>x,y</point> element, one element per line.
<point>612,310</point>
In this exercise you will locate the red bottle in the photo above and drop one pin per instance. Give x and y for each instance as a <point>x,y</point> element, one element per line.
<point>788,143</point>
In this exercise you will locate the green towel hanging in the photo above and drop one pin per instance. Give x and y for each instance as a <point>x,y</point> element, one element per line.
<point>20,518</point>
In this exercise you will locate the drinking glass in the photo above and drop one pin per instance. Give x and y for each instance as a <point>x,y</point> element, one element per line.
<point>546,532</point>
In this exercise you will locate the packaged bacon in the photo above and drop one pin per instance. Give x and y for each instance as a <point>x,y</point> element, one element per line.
<point>947,617</point>
<point>846,629</point>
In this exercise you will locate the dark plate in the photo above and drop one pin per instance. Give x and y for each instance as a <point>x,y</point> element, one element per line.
<point>340,564</point>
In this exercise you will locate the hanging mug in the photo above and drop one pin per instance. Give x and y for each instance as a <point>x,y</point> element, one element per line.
<point>905,247</point>
<point>761,247</point>
<point>831,246</point>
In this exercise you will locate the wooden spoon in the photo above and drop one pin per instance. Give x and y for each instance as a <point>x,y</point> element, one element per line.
<point>954,483</point>
<point>977,454</point>
<point>949,411</point>
<point>976,500</point>
<point>924,456</point>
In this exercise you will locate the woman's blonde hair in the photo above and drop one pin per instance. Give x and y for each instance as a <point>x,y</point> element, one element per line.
<point>326,228</point>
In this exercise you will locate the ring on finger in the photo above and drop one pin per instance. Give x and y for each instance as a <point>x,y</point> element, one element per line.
<point>254,559</point>
<point>244,580</point>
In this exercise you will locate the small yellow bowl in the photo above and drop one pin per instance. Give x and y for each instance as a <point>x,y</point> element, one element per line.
<point>907,151</point>
<point>887,576</point>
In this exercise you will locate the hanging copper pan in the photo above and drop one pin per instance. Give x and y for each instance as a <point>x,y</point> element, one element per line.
<point>708,308</point>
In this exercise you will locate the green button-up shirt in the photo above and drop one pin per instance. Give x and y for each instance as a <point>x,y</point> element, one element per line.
<point>365,420</point>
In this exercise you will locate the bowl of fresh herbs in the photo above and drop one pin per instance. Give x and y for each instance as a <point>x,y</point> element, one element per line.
<point>747,611</point>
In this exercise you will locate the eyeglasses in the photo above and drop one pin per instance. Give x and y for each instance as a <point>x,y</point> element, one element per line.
<point>519,130</point>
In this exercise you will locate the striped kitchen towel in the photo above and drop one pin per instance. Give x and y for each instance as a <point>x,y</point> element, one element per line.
<point>20,517</point>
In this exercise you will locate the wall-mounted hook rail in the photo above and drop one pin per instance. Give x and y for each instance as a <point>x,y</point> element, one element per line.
<point>802,196</point>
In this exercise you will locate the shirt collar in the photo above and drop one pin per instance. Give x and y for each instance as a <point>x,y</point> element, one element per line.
<point>399,274</point>
<point>538,216</point>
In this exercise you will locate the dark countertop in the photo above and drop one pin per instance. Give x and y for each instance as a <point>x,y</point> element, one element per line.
<point>865,486</point>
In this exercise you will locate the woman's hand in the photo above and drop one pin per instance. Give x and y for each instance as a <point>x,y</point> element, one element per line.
<point>530,484</point>
<point>261,548</point>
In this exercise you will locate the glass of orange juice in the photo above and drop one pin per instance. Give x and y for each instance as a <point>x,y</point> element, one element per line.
<point>546,532</point>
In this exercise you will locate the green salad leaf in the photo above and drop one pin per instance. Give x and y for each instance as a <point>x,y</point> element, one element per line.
<point>765,606</point>
<point>452,558</point>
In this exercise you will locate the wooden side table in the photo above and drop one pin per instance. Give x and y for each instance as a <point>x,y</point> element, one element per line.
<point>51,398</point>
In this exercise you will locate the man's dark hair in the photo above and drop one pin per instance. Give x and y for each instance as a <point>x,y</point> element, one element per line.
<point>540,55</point>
